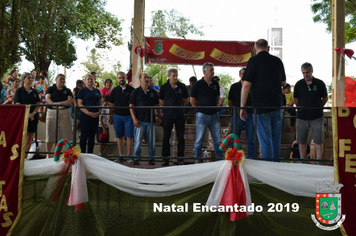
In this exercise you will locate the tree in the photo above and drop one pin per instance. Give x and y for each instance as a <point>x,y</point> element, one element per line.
<point>165,24</point>
<point>322,13</point>
<point>10,16</point>
<point>96,62</point>
<point>173,22</point>
<point>226,81</point>
<point>48,28</point>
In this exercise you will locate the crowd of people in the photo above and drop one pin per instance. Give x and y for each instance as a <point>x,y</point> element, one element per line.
<point>262,85</point>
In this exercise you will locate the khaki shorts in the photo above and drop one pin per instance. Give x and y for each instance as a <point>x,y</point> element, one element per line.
<point>64,125</point>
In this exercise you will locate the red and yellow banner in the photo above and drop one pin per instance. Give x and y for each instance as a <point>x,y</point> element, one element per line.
<point>13,126</point>
<point>195,52</point>
<point>344,131</point>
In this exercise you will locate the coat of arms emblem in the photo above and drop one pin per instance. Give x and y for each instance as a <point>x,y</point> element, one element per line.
<point>328,207</point>
<point>158,47</point>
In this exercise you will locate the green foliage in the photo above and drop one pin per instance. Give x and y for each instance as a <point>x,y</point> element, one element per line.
<point>226,81</point>
<point>162,80</point>
<point>10,16</point>
<point>322,13</point>
<point>158,72</point>
<point>329,90</point>
<point>46,29</point>
<point>172,22</point>
<point>108,75</point>
<point>165,24</point>
<point>95,62</point>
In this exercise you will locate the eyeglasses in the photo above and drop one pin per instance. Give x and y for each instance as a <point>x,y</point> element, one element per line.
<point>309,89</point>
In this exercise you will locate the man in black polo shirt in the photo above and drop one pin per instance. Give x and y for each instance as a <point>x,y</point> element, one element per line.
<point>173,93</point>
<point>265,75</point>
<point>310,92</point>
<point>234,99</point>
<point>143,96</point>
<point>205,92</point>
<point>122,120</point>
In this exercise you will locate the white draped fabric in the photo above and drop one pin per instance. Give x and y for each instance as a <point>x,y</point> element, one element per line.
<point>296,179</point>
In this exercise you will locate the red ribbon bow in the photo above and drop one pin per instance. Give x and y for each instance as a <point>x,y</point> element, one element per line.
<point>142,51</point>
<point>235,156</point>
<point>349,52</point>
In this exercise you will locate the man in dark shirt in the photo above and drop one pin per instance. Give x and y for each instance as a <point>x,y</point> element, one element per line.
<point>189,87</point>
<point>143,96</point>
<point>265,75</point>
<point>234,99</point>
<point>173,93</point>
<point>205,92</point>
<point>96,83</point>
<point>122,120</point>
<point>310,92</point>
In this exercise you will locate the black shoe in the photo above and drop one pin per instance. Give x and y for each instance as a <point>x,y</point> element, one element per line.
<point>136,162</point>
<point>180,162</point>
<point>165,162</point>
<point>119,160</point>
<point>151,162</point>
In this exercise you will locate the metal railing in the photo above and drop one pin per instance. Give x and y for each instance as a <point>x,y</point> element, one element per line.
<point>235,113</point>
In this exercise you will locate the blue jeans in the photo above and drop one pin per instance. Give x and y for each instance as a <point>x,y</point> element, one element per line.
<point>222,111</point>
<point>145,128</point>
<point>213,123</point>
<point>250,131</point>
<point>269,130</point>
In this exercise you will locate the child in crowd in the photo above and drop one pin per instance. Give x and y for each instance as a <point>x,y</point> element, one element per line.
<point>11,92</point>
<point>42,111</point>
<point>289,103</point>
<point>295,150</point>
<point>103,135</point>
<point>41,83</point>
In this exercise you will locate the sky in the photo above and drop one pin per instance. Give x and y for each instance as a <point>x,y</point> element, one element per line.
<point>230,20</point>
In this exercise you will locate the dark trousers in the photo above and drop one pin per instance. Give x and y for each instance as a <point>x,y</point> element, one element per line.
<point>292,112</point>
<point>88,128</point>
<point>167,131</point>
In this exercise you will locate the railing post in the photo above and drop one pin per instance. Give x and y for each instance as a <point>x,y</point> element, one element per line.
<point>151,133</point>
<point>56,125</point>
<point>74,140</point>
<point>255,130</point>
<point>234,115</point>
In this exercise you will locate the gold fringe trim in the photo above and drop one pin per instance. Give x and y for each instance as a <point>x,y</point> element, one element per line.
<point>21,171</point>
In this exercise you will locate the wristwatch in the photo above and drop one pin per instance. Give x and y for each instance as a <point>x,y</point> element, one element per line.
<point>34,113</point>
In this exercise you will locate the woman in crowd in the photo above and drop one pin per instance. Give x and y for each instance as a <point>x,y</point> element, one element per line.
<point>11,92</point>
<point>107,89</point>
<point>89,117</point>
<point>41,83</point>
<point>79,86</point>
<point>44,73</point>
<point>2,93</point>
<point>10,79</point>
<point>58,94</point>
<point>28,95</point>
<point>290,103</point>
